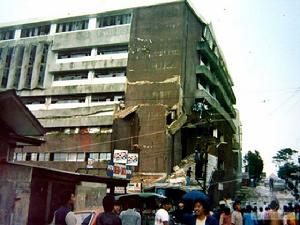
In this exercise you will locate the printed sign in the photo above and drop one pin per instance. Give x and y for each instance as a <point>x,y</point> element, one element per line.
<point>133,159</point>
<point>120,156</point>
<point>120,171</point>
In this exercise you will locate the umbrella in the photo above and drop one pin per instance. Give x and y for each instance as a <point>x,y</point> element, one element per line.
<point>141,195</point>
<point>195,195</point>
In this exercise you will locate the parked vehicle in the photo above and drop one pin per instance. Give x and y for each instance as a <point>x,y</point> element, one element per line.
<point>279,185</point>
<point>88,216</point>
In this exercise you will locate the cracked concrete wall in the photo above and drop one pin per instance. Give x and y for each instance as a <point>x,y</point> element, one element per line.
<point>155,54</point>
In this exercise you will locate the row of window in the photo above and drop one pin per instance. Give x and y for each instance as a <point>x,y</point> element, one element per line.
<point>102,21</point>
<point>104,50</point>
<point>81,75</point>
<point>62,156</point>
<point>81,130</point>
<point>102,97</point>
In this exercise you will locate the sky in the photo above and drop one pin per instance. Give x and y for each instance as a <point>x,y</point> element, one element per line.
<point>260,40</point>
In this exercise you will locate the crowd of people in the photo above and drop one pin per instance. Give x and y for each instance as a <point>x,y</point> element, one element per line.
<point>192,212</point>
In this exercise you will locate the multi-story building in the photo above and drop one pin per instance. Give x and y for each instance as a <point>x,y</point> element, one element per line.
<point>127,79</point>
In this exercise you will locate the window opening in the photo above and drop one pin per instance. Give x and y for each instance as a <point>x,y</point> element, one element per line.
<point>6,67</point>
<point>72,26</point>
<point>76,53</point>
<point>30,66</point>
<point>19,66</point>
<point>105,21</point>
<point>68,99</point>
<point>7,34</point>
<point>106,50</point>
<point>43,65</point>
<point>80,75</point>
<point>113,72</point>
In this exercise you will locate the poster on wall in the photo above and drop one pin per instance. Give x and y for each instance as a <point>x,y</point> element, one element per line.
<point>120,156</point>
<point>120,171</point>
<point>133,159</point>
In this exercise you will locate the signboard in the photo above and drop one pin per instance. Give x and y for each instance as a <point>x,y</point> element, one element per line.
<point>120,156</point>
<point>119,190</point>
<point>90,163</point>
<point>134,187</point>
<point>120,171</point>
<point>133,159</point>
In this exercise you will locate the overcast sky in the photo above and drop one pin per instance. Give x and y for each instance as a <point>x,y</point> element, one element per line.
<point>260,40</point>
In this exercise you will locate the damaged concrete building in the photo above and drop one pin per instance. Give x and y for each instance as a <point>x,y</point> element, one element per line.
<point>132,79</point>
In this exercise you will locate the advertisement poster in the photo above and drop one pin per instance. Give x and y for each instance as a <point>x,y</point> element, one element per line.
<point>133,159</point>
<point>110,170</point>
<point>120,171</point>
<point>120,156</point>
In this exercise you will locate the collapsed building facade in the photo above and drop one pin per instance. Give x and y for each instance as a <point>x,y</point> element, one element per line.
<point>151,80</point>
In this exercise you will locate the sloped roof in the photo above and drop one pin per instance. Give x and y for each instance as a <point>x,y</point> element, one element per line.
<point>17,117</point>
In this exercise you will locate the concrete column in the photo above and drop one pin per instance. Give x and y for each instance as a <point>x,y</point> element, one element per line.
<point>36,66</point>
<point>24,67</point>
<point>2,61</point>
<point>94,52</point>
<point>18,34</point>
<point>53,29</point>
<point>13,67</point>
<point>92,23</point>
<point>50,61</point>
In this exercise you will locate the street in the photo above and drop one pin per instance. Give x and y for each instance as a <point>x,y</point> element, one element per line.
<point>262,196</point>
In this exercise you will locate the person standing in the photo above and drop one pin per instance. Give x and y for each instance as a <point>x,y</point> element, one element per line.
<point>188,176</point>
<point>236,216</point>
<point>225,218</point>
<point>248,217</point>
<point>130,216</point>
<point>108,217</point>
<point>64,215</point>
<point>162,216</point>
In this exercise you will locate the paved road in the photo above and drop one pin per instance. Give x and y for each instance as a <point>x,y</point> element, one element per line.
<point>263,194</point>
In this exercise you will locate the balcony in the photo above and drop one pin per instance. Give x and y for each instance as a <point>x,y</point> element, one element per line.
<point>200,69</point>
<point>203,94</point>
<point>203,48</point>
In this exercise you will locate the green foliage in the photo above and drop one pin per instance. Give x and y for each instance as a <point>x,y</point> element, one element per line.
<point>255,164</point>
<point>284,156</point>
<point>286,170</point>
<point>284,160</point>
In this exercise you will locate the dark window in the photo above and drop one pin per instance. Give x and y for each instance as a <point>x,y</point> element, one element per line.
<point>33,100</point>
<point>72,26</point>
<point>19,66</point>
<point>105,21</point>
<point>30,66</point>
<point>68,99</point>
<point>7,34</point>
<point>6,67</point>
<point>35,31</point>
<point>112,49</point>
<point>43,65</point>
<point>113,72</point>
<point>74,53</point>
<point>71,76</point>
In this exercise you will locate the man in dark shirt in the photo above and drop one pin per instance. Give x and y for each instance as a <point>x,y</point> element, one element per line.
<point>108,217</point>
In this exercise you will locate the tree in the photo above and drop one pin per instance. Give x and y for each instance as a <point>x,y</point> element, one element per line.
<point>284,156</point>
<point>255,164</point>
<point>284,159</point>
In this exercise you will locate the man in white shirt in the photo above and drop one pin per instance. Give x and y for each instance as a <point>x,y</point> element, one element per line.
<point>162,216</point>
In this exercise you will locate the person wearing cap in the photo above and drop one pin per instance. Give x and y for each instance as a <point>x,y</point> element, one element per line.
<point>162,216</point>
